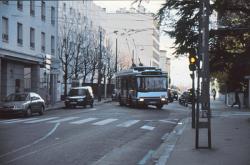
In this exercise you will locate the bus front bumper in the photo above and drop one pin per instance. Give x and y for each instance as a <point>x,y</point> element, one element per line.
<point>152,101</point>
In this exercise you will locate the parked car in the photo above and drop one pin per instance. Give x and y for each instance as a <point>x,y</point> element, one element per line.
<point>186,98</point>
<point>79,96</point>
<point>23,103</point>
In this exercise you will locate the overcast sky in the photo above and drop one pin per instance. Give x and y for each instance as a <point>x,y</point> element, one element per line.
<point>180,74</point>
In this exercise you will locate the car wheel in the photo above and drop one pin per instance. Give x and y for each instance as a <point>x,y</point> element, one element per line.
<point>41,112</point>
<point>28,112</point>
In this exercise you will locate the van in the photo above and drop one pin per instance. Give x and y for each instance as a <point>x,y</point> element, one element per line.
<point>79,96</point>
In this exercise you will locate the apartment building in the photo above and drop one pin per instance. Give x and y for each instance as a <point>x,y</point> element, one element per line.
<point>28,41</point>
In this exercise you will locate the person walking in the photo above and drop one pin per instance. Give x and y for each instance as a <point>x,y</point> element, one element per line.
<point>214,93</point>
<point>237,99</point>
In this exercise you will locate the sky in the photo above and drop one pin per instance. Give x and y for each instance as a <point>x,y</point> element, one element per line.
<point>179,72</point>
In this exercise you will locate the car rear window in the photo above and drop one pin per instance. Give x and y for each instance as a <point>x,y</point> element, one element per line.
<point>77,92</point>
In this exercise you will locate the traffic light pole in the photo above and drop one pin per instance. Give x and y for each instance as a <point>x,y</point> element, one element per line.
<point>193,100</point>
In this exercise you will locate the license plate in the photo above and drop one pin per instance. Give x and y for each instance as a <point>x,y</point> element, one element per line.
<point>73,102</point>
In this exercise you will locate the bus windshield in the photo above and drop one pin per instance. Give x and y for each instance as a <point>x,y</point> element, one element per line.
<point>152,83</point>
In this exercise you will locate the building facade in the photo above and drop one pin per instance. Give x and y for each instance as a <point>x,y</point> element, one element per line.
<point>27,45</point>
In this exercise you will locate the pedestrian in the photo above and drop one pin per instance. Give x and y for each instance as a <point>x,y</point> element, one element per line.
<point>237,99</point>
<point>214,93</point>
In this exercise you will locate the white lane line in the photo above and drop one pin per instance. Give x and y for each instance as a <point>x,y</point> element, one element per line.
<point>40,120</point>
<point>103,122</point>
<point>146,127</point>
<point>35,142</point>
<point>83,121</point>
<point>9,120</point>
<point>62,120</point>
<point>128,123</point>
<point>168,121</point>
<point>20,120</point>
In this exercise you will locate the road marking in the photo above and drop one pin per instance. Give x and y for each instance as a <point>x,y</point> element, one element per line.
<point>83,121</point>
<point>146,157</point>
<point>128,123</point>
<point>146,127</point>
<point>62,120</point>
<point>168,121</point>
<point>40,120</point>
<point>103,122</point>
<point>19,120</point>
<point>29,145</point>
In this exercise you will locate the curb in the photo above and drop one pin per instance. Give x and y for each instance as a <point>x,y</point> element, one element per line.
<point>96,103</point>
<point>162,154</point>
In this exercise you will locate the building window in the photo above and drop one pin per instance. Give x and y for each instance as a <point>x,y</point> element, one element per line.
<point>43,11</point>
<point>5,2</point>
<point>52,45</point>
<point>43,42</point>
<point>20,5</point>
<point>32,7</point>
<point>71,11</point>
<point>32,38</point>
<point>19,34</point>
<point>5,32</point>
<point>64,6</point>
<point>53,15</point>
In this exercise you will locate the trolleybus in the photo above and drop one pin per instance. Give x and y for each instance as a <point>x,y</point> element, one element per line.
<point>142,86</point>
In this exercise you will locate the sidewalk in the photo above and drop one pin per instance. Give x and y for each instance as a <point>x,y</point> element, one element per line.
<point>230,140</point>
<point>60,104</point>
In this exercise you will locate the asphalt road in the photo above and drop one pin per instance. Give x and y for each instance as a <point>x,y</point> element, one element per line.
<point>106,134</point>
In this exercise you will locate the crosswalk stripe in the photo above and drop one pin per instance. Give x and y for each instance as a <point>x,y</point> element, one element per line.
<point>83,121</point>
<point>40,120</point>
<point>19,120</point>
<point>106,121</point>
<point>62,120</point>
<point>146,127</point>
<point>128,123</point>
<point>168,121</point>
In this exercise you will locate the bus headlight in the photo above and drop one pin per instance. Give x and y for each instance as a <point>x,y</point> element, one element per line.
<point>141,99</point>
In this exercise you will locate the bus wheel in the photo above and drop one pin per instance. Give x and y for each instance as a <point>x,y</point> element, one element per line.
<point>159,106</point>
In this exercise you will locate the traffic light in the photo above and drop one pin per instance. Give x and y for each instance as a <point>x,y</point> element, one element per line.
<point>192,62</point>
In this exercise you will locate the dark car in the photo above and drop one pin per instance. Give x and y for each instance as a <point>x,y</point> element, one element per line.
<point>185,98</point>
<point>23,103</point>
<point>79,96</point>
<point>175,95</point>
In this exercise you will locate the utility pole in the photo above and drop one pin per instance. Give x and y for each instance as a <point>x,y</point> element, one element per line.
<point>205,75</point>
<point>99,90</point>
<point>116,42</point>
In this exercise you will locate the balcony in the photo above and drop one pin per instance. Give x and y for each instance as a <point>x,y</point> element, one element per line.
<point>5,37</point>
